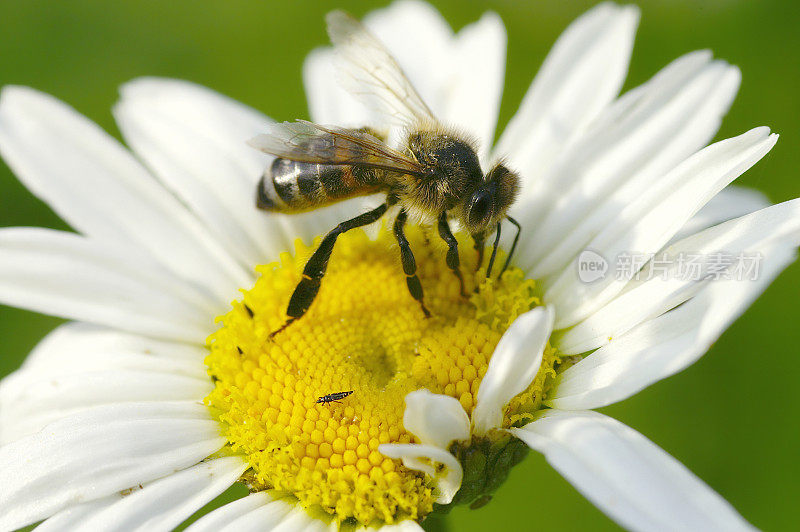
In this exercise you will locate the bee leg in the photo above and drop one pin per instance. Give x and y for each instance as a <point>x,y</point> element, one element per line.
<point>409,264</point>
<point>479,244</point>
<point>453,262</point>
<point>307,288</point>
<point>494,251</point>
<point>513,245</point>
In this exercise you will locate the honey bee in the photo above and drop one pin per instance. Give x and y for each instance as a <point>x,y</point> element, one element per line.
<point>434,176</point>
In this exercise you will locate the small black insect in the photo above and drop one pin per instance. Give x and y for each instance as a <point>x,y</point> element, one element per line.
<point>333,397</point>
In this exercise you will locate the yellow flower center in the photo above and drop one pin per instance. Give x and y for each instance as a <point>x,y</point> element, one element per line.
<point>364,333</point>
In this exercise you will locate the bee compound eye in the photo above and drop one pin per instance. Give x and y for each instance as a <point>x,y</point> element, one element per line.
<point>480,207</point>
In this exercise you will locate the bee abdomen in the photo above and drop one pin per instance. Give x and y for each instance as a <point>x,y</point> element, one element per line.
<point>294,186</point>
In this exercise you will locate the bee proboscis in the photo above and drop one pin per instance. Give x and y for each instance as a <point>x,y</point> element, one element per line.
<point>435,174</point>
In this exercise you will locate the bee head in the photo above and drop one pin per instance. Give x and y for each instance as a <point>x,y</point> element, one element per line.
<point>488,203</point>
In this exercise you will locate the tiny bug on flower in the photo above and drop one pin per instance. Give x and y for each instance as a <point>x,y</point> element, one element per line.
<point>333,397</point>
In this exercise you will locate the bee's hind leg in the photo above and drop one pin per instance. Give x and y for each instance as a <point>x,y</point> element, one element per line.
<point>314,271</point>
<point>453,262</point>
<point>409,264</point>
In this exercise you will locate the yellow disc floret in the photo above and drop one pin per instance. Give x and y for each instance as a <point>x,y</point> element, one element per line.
<point>364,334</point>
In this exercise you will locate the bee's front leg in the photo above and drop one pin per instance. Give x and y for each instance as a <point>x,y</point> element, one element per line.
<point>479,240</point>
<point>513,245</point>
<point>453,261</point>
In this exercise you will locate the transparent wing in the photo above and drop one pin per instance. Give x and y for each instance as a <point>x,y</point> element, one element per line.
<point>312,143</point>
<point>369,72</point>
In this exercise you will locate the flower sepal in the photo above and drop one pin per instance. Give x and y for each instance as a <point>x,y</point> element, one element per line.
<point>486,461</point>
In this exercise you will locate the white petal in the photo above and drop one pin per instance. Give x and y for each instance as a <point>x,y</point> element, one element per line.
<point>80,346</point>
<point>77,353</point>
<point>222,120</point>
<point>665,345</point>
<point>435,419</point>
<point>73,517</point>
<point>472,94</point>
<point>448,481</point>
<point>266,517</point>
<point>667,288</point>
<point>731,203</point>
<point>644,226</point>
<point>167,502</point>
<point>194,141</point>
<point>676,113</point>
<point>79,366</point>
<point>71,276</point>
<point>98,452</point>
<point>29,400</point>
<point>299,520</point>
<point>99,188</point>
<point>580,76</point>
<point>629,478</point>
<point>512,368</point>
<point>220,518</point>
<point>164,503</point>
<point>318,523</point>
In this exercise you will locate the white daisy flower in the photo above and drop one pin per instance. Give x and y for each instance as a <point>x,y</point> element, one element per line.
<point>160,394</point>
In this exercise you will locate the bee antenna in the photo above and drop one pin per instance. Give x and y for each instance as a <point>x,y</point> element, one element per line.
<point>494,251</point>
<point>513,245</point>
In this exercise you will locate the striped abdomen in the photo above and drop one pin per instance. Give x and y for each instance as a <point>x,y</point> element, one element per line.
<point>293,186</point>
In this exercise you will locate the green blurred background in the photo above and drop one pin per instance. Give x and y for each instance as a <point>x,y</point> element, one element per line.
<point>731,418</point>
